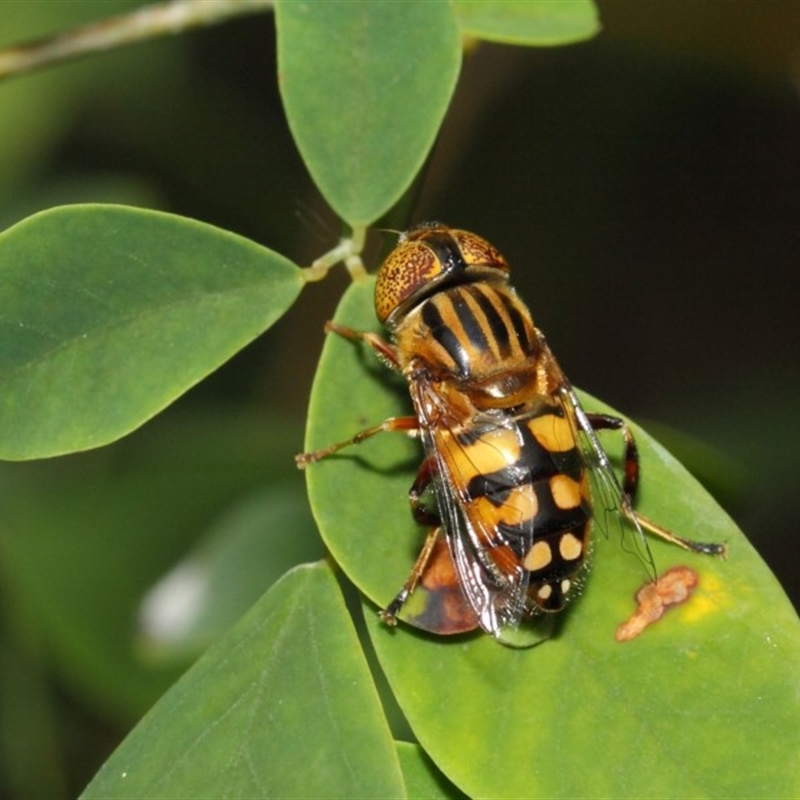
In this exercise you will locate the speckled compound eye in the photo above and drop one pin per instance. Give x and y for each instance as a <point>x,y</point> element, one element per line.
<point>409,268</point>
<point>426,259</point>
<point>477,252</point>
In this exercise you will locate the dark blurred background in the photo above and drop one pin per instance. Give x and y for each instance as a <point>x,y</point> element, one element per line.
<point>645,186</point>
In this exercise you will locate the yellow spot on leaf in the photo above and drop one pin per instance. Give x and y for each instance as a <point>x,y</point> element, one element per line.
<point>707,600</point>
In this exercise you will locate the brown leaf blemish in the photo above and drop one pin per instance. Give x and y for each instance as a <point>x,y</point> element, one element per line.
<point>654,598</point>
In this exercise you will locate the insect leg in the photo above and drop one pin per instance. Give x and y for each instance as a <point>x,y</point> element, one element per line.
<point>389,614</point>
<point>605,422</point>
<point>705,548</point>
<point>419,511</point>
<point>385,351</point>
<point>424,516</point>
<point>631,482</point>
<point>408,425</point>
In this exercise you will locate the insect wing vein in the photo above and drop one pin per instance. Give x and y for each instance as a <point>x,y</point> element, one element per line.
<point>497,594</point>
<point>607,491</point>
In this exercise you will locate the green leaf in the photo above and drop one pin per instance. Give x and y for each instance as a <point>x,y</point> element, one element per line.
<point>703,703</point>
<point>528,22</point>
<point>284,706</point>
<point>359,497</point>
<point>30,753</point>
<point>82,537</point>
<point>421,777</point>
<point>365,85</point>
<point>107,314</point>
<point>248,548</point>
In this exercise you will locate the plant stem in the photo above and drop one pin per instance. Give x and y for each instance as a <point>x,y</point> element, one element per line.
<point>148,22</point>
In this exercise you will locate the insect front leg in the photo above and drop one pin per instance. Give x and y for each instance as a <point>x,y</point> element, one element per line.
<point>631,483</point>
<point>387,353</point>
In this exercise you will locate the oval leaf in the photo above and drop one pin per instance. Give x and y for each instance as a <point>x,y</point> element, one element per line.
<point>359,497</point>
<point>284,706</point>
<point>84,536</point>
<point>363,108</point>
<point>669,713</point>
<point>421,777</point>
<point>250,547</point>
<point>107,314</point>
<point>531,22</point>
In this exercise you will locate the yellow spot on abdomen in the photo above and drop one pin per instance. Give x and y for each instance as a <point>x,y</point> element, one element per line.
<point>553,433</point>
<point>538,557</point>
<point>492,452</point>
<point>545,592</point>
<point>570,547</point>
<point>519,508</point>
<point>566,492</point>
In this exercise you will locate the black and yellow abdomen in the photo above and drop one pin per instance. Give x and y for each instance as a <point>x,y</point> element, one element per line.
<point>524,494</point>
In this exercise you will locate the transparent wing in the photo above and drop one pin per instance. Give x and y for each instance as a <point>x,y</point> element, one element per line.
<point>491,577</point>
<point>607,492</point>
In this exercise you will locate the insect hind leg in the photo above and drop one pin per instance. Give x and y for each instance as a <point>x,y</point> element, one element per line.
<point>704,548</point>
<point>389,614</point>
<point>419,510</point>
<point>631,482</point>
<point>630,459</point>
<point>424,516</point>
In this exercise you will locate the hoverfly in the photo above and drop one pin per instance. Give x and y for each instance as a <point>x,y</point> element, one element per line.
<point>512,461</point>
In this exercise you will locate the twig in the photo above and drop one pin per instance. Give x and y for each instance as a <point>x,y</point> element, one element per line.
<point>148,22</point>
